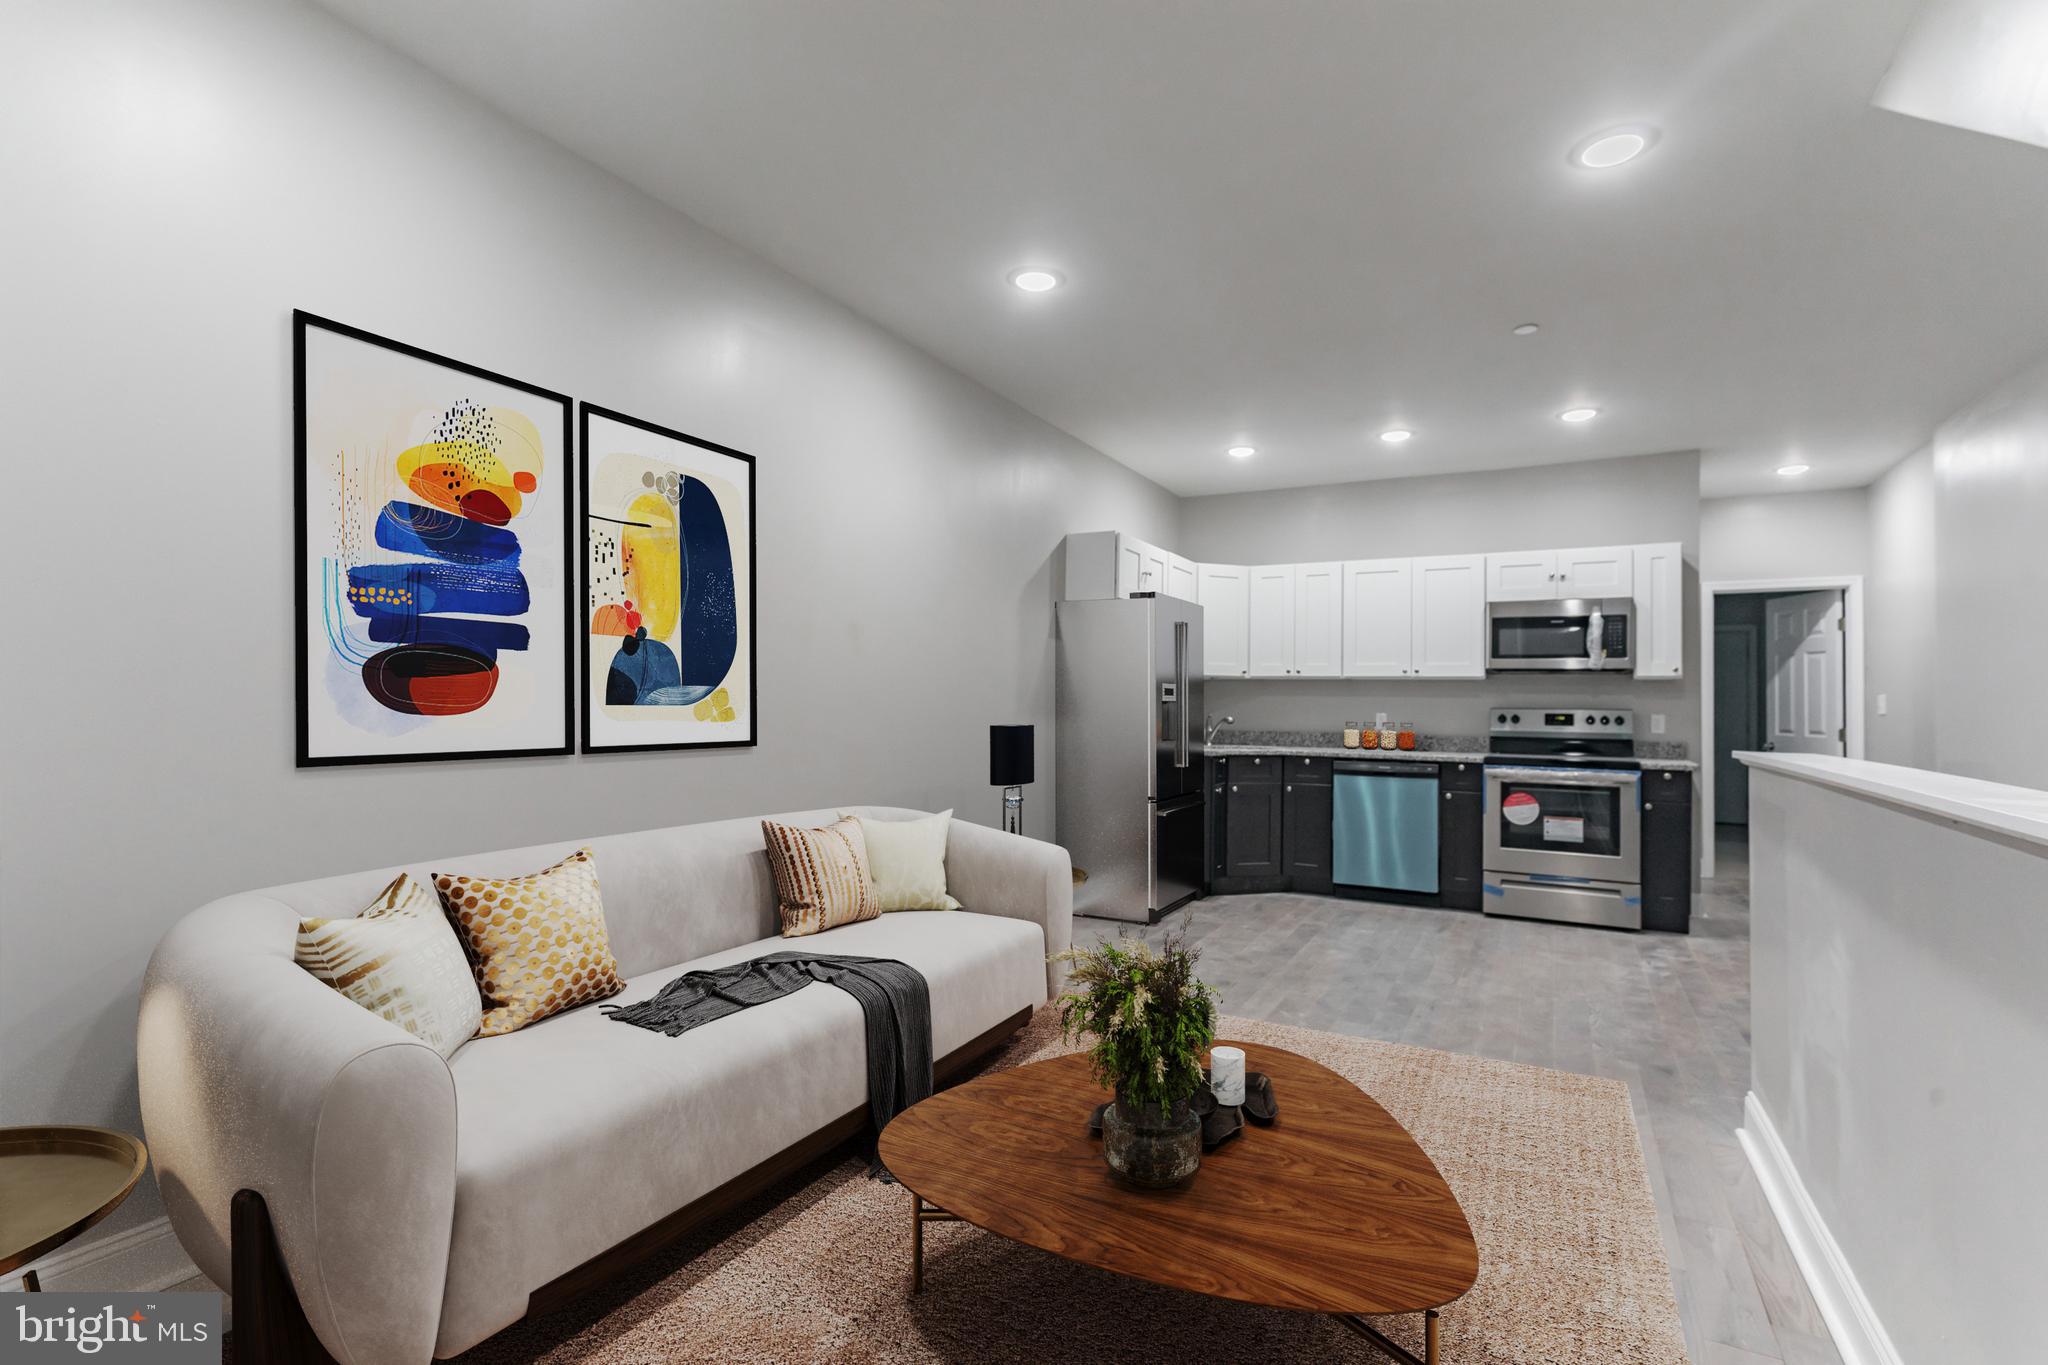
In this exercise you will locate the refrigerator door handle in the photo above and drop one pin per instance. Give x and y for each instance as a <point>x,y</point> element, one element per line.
<point>1180,678</point>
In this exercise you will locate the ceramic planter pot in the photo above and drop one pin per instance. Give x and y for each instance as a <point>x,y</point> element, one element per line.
<point>1152,1146</point>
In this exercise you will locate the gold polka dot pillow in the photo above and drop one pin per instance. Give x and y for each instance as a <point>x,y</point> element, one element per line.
<point>821,876</point>
<point>538,943</point>
<point>398,959</point>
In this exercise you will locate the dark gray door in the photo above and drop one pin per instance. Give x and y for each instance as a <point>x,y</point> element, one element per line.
<point>1738,718</point>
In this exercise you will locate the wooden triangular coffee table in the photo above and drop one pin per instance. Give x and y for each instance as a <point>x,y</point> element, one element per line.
<point>1333,1209</point>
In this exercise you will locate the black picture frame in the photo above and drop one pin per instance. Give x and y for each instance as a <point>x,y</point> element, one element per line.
<point>584,412</point>
<point>302,321</point>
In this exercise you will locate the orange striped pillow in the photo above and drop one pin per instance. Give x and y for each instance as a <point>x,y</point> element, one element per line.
<point>821,876</point>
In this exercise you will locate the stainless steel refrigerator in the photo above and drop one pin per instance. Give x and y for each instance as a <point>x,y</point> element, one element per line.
<point>1128,753</point>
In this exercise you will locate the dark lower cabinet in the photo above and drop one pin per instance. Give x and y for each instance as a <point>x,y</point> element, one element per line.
<point>1252,820</point>
<point>1667,851</point>
<point>1460,829</point>
<point>1305,820</point>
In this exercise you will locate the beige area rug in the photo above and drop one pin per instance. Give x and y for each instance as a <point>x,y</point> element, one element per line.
<point>1546,1163</point>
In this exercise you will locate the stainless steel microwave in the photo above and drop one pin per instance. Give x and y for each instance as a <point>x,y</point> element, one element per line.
<point>1580,633</point>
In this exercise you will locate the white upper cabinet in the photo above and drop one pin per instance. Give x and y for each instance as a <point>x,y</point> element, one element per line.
<point>1151,568</point>
<point>1224,593</point>
<point>1530,576</point>
<point>1318,620</point>
<point>1130,565</point>
<point>1449,613</point>
<point>1378,611</point>
<point>1181,579</point>
<point>1608,571</point>
<point>1660,611</point>
<point>1269,627</point>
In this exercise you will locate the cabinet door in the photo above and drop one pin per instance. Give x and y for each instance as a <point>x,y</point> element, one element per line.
<point>1219,818</point>
<point>1660,611</point>
<point>1152,572</point>
<point>1378,604</point>
<point>1181,579</point>
<point>1252,821</point>
<point>1269,621</point>
<point>1130,564</point>
<point>1530,576</point>
<point>1449,617</point>
<point>1223,590</point>
<point>1667,851</point>
<point>1459,879</point>
<point>1305,808</point>
<point>1318,620</point>
<point>1607,571</point>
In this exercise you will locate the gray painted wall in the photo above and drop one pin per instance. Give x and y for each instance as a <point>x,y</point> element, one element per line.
<point>1641,499</point>
<point>219,163</point>
<point>1785,535</point>
<point>1899,615</point>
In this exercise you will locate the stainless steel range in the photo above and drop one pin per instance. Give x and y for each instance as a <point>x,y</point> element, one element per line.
<point>1564,816</point>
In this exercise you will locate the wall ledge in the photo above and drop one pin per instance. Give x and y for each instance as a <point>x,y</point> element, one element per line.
<point>2012,812</point>
<point>1852,1322</point>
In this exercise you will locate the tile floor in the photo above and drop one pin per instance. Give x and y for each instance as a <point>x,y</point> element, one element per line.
<point>1668,1014</point>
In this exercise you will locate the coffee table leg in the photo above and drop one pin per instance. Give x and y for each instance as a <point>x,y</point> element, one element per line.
<point>1401,1353</point>
<point>916,1243</point>
<point>29,1283</point>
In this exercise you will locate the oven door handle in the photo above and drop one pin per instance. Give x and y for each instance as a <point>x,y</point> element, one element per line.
<point>1567,777</point>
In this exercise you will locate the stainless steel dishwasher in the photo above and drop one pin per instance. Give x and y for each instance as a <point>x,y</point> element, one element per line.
<point>1383,829</point>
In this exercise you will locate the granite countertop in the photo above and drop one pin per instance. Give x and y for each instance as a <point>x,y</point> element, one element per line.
<point>1654,755</point>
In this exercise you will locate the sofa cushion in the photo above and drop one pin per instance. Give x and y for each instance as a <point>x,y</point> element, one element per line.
<point>538,942</point>
<point>821,875</point>
<point>577,1132</point>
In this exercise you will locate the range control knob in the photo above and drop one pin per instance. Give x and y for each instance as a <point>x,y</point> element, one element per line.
<point>1589,720</point>
<point>1516,719</point>
<point>1501,719</point>
<point>1607,720</point>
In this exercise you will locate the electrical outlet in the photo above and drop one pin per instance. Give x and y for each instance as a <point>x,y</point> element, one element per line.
<point>1656,722</point>
<point>1884,703</point>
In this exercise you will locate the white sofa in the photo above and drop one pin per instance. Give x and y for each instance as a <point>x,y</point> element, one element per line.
<point>419,1205</point>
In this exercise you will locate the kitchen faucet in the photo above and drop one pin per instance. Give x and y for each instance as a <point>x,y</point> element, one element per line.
<point>1209,730</point>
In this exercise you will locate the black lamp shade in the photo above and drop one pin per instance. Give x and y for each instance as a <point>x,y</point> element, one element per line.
<point>1010,749</point>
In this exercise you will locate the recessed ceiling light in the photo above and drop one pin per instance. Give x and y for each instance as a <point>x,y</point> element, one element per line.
<point>1526,329</point>
<point>1241,452</point>
<point>1578,414</point>
<point>1035,281</point>
<point>1395,435</point>
<point>1792,471</point>
<point>1613,147</point>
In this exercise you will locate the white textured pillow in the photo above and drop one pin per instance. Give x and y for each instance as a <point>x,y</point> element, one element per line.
<point>399,959</point>
<point>907,860</point>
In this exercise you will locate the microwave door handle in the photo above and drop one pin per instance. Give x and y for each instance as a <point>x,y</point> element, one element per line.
<point>1596,638</point>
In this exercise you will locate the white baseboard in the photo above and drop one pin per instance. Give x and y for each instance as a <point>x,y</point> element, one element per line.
<point>1859,1336</point>
<point>143,1259</point>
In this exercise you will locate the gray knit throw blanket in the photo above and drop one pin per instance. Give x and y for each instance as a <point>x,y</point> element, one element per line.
<point>893,996</point>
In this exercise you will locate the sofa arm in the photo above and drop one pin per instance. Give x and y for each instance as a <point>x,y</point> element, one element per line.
<point>1018,878</point>
<point>254,1075</point>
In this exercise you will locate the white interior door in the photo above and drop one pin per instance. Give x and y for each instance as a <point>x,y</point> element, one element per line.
<point>1804,708</point>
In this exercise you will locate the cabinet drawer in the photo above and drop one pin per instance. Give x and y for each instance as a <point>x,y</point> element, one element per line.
<point>1313,772</point>
<point>1462,777</point>
<point>1251,768</point>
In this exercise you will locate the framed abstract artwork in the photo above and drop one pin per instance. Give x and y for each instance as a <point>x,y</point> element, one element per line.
<point>434,550</point>
<point>668,573</point>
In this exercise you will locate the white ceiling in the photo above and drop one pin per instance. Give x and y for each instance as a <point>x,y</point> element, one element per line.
<point>1290,225</point>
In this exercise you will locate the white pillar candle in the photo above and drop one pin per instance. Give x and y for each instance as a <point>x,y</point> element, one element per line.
<point>1226,1074</point>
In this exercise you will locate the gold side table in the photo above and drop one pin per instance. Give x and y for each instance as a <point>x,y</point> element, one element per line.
<point>57,1181</point>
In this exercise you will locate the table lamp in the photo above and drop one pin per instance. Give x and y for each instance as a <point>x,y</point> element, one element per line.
<point>1010,749</point>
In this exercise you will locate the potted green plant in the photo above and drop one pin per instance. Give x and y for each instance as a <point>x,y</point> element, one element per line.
<point>1151,1019</point>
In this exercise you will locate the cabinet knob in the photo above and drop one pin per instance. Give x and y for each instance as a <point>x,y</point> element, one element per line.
<point>1233,789</point>
<point>1290,786</point>
<point>1649,805</point>
<point>1447,796</point>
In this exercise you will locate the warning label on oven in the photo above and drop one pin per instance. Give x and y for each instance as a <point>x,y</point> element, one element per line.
<point>1520,808</point>
<point>1564,829</point>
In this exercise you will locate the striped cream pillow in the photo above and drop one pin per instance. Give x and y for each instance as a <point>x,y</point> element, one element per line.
<point>399,959</point>
<point>821,876</point>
